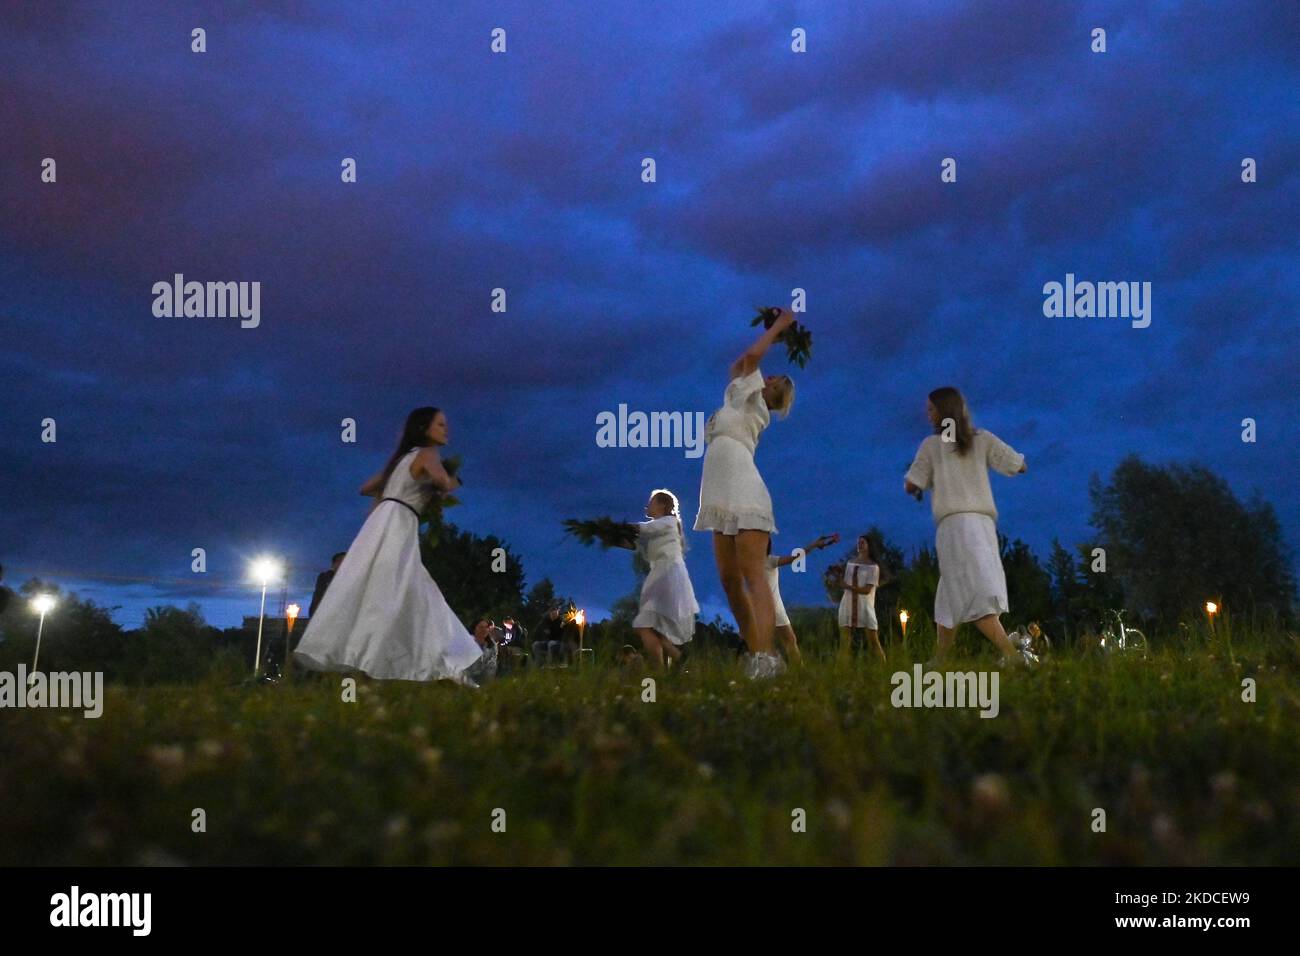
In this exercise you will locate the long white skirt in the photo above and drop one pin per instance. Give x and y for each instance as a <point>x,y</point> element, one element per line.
<point>782,619</point>
<point>733,497</point>
<point>383,615</point>
<point>668,602</point>
<point>972,583</point>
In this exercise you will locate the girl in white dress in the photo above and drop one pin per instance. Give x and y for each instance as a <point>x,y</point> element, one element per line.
<point>734,501</point>
<point>666,617</point>
<point>383,614</point>
<point>954,462</point>
<point>858,602</point>
<point>784,632</point>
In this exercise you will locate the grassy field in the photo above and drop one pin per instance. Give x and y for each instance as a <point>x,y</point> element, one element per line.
<point>711,772</point>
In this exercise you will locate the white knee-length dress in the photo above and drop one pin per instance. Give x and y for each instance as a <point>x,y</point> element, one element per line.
<point>733,497</point>
<point>667,598</point>
<point>383,614</point>
<point>859,610</point>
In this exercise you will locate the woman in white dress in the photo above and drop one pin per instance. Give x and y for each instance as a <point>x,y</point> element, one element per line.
<point>954,462</point>
<point>665,619</point>
<point>857,610</point>
<point>383,614</point>
<point>734,501</point>
<point>785,635</point>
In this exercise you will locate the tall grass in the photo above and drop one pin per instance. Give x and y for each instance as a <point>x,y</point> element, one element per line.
<point>715,770</point>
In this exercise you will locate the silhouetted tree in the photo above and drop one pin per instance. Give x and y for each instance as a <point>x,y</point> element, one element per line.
<point>1175,535</point>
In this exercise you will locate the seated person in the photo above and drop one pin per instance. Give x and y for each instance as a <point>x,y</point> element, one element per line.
<point>555,638</point>
<point>488,636</point>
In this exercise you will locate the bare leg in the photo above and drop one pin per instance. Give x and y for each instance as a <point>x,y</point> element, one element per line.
<point>653,645</point>
<point>789,643</point>
<point>846,642</point>
<point>991,627</point>
<point>751,548</point>
<point>873,637</point>
<point>733,585</point>
<point>946,636</point>
<point>672,652</point>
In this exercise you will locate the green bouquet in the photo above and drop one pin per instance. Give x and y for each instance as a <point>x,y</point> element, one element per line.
<point>797,338</point>
<point>608,532</point>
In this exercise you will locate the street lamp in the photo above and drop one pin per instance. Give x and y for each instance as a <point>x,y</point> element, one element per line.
<point>263,571</point>
<point>42,604</point>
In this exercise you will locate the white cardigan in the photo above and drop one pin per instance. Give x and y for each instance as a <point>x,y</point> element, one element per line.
<point>961,482</point>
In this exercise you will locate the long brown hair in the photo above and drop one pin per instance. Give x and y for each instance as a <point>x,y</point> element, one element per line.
<point>950,403</point>
<point>414,435</point>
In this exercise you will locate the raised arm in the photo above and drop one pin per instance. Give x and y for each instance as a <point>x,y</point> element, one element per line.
<point>824,541</point>
<point>750,358</point>
<point>428,466</point>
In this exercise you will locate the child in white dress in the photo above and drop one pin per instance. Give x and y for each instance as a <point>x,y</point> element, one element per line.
<point>383,614</point>
<point>954,462</point>
<point>734,501</point>
<point>858,602</point>
<point>784,631</point>
<point>665,619</point>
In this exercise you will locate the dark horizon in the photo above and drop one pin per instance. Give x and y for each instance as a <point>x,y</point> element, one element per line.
<point>521,171</point>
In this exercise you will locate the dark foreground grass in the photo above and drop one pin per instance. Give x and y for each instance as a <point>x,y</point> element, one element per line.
<point>712,772</point>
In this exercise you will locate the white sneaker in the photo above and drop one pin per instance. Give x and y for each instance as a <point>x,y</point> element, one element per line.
<point>762,666</point>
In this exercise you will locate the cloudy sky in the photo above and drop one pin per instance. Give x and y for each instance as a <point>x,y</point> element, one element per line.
<point>775,171</point>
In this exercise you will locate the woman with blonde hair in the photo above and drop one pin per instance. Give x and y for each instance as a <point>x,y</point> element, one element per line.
<point>734,502</point>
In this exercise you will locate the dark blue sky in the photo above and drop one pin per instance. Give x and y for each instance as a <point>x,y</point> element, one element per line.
<point>522,171</point>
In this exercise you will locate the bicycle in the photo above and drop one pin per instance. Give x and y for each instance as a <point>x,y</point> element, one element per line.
<point>1118,637</point>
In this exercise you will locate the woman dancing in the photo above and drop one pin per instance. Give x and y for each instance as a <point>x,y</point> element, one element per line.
<point>383,614</point>
<point>858,603</point>
<point>784,632</point>
<point>734,502</point>
<point>954,462</point>
<point>666,617</point>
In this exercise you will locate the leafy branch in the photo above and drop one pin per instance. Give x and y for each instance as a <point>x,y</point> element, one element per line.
<point>797,338</point>
<point>604,530</point>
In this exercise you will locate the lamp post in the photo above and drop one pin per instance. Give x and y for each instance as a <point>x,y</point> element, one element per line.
<point>41,604</point>
<point>902,619</point>
<point>264,571</point>
<point>290,615</point>
<point>1210,610</point>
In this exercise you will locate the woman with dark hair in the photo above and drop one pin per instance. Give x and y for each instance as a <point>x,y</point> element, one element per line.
<point>857,611</point>
<point>383,615</point>
<point>954,462</point>
<point>734,502</point>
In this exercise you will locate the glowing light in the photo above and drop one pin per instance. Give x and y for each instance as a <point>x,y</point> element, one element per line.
<point>265,570</point>
<point>902,617</point>
<point>292,612</point>
<point>43,603</point>
<point>581,618</point>
<point>1211,607</point>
